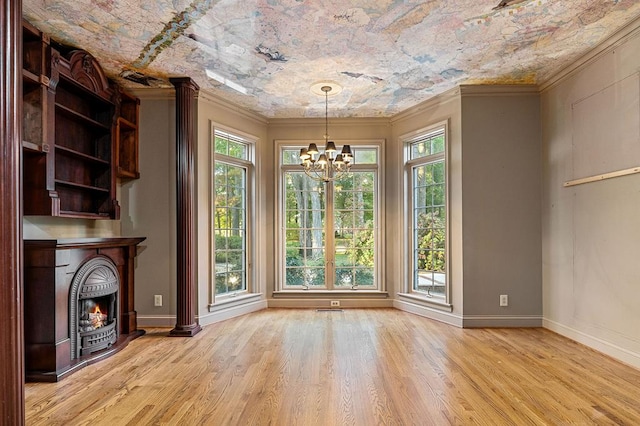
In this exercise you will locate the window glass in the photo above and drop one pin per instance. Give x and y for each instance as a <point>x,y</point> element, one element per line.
<point>427,145</point>
<point>230,145</point>
<point>229,222</point>
<point>428,220</point>
<point>329,232</point>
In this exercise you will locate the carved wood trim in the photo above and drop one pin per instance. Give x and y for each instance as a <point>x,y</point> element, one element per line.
<point>85,69</point>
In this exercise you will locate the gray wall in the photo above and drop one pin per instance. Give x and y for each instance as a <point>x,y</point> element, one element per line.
<point>501,205</point>
<point>148,209</point>
<point>591,232</point>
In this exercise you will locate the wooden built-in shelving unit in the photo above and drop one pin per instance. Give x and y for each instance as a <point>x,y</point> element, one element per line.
<point>80,132</point>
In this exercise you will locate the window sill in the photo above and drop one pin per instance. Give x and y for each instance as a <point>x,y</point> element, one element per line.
<point>230,301</point>
<point>426,301</point>
<point>344,294</point>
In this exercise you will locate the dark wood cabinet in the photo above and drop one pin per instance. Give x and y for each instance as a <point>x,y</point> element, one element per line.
<point>127,137</point>
<point>80,132</point>
<point>35,77</point>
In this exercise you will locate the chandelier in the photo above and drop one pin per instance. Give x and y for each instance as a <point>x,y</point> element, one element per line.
<point>326,166</point>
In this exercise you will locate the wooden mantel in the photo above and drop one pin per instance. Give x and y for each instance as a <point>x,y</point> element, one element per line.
<point>49,268</point>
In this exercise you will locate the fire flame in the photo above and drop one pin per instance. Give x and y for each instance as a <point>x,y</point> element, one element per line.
<point>97,318</point>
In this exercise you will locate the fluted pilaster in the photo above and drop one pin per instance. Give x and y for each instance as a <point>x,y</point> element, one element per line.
<point>186,138</point>
<point>11,309</point>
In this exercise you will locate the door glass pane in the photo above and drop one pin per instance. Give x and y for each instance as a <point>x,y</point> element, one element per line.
<point>304,230</point>
<point>354,226</point>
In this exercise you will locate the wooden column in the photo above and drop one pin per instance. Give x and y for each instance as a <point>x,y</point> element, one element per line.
<point>11,328</point>
<point>186,138</point>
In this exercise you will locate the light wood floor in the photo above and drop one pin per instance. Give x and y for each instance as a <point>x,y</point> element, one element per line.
<point>364,367</point>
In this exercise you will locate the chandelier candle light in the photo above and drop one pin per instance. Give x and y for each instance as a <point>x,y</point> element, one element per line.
<point>327,166</point>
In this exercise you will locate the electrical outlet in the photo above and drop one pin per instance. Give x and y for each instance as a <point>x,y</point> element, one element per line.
<point>504,300</point>
<point>157,300</point>
<point>335,303</point>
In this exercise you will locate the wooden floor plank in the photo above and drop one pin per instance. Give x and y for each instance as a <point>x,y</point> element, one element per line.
<point>361,367</point>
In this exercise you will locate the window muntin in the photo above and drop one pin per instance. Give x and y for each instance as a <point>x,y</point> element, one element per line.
<point>231,210</point>
<point>428,217</point>
<point>330,230</point>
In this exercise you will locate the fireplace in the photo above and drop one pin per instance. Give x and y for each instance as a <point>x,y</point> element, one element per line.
<point>78,303</point>
<point>93,303</point>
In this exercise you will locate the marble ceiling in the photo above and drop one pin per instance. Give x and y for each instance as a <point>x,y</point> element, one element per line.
<point>388,55</point>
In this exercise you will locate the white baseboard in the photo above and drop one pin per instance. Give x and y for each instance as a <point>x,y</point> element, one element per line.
<point>221,314</point>
<point>428,312</point>
<point>496,321</point>
<point>624,355</point>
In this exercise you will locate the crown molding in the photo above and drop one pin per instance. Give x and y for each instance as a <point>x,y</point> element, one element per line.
<point>155,93</point>
<point>627,32</point>
<point>222,103</point>
<point>333,122</point>
<point>467,90</point>
<point>441,99</point>
<point>168,94</point>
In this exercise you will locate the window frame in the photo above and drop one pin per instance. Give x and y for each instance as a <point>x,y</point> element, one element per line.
<point>378,190</point>
<point>248,164</point>
<point>410,164</point>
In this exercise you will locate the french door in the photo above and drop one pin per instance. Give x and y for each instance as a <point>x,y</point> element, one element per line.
<point>330,231</point>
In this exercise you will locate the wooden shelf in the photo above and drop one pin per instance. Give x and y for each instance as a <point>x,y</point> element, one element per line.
<point>82,118</point>
<point>29,77</point>
<point>33,147</point>
<point>126,124</point>
<point>82,186</point>
<point>83,215</point>
<point>82,156</point>
<point>126,135</point>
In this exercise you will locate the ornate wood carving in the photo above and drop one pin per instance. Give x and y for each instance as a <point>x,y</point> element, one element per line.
<point>11,328</point>
<point>86,70</point>
<point>186,138</point>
